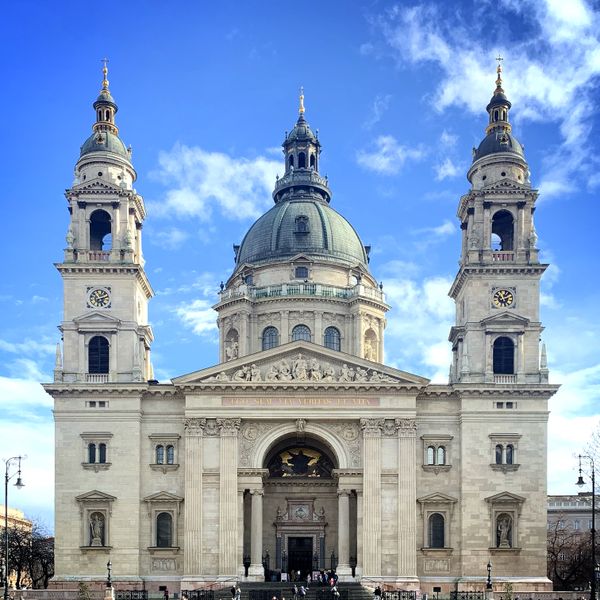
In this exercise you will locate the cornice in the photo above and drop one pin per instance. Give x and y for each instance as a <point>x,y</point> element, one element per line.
<point>132,389</point>
<point>220,386</point>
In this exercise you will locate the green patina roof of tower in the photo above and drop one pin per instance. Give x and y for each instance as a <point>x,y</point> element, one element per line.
<point>104,142</point>
<point>276,236</point>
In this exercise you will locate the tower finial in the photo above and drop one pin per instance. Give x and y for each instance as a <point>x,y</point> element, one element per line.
<point>104,74</point>
<point>499,73</point>
<point>301,109</point>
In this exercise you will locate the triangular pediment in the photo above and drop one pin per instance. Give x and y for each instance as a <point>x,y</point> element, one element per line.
<point>96,317</point>
<point>95,496</point>
<point>97,186</point>
<point>304,364</point>
<point>505,498</point>
<point>163,497</point>
<point>505,318</point>
<point>507,185</point>
<point>437,498</point>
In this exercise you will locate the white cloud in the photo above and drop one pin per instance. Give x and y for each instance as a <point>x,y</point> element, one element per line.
<point>549,75</point>
<point>28,347</point>
<point>198,315</point>
<point>379,106</point>
<point>169,239</point>
<point>199,181</point>
<point>416,339</point>
<point>447,169</point>
<point>388,157</point>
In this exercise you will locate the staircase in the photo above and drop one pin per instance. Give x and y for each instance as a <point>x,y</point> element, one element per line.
<point>283,590</point>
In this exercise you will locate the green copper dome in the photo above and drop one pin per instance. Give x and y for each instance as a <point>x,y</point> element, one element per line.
<point>302,226</point>
<point>104,141</point>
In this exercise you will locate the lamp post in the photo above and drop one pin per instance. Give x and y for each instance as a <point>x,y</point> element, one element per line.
<point>19,484</point>
<point>488,583</point>
<point>581,482</point>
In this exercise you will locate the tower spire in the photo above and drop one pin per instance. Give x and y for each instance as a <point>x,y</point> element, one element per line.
<point>301,108</point>
<point>105,105</point>
<point>104,75</point>
<point>499,89</point>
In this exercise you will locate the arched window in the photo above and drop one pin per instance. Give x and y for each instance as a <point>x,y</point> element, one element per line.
<point>499,454</point>
<point>291,161</point>
<point>495,115</point>
<point>270,338</point>
<point>100,231</point>
<point>170,455</point>
<point>164,527</point>
<point>107,115</point>
<point>332,339</point>
<point>313,161</point>
<point>98,355</point>
<point>436,531</point>
<point>102,453</point>
<point>160,455</point>
<point>301,273</point>
<point>441,456</point>
<point>301,160</point>
<point>509,454</point>
<point>91,453</point>
<point>430,455</point>
<point>502,231</point>
<point>301,332</point>
<point>504,356</point>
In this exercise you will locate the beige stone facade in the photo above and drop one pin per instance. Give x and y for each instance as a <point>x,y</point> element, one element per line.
<point>301,444</point>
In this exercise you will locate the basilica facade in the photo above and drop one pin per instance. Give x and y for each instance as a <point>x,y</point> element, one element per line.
<point>301,451</point>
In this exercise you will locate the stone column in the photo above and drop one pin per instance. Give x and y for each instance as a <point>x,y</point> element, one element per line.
<point>343,568</point>
<point>318,331</point>
<point>228,534</point>
<point>372,496</point>
<point>244,341</point>
<point>284,334</point>
<point>359,533</point>
<point>240,551</point>
<point>407,497</point>
<point>256,571</point>
<point>192,549</point>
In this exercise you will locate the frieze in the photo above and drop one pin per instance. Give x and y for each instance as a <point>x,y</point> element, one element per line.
<point>301,402</point>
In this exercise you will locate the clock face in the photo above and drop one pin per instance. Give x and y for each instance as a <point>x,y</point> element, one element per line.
<point>503,298</point>
<point>99,298</point>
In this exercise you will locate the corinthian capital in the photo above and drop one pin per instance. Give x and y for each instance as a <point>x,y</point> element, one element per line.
<point>372,427</point>
<point>194,426</point>
<point>229,427</point>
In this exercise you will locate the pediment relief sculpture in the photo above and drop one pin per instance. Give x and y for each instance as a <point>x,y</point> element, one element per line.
<point>301,368</point>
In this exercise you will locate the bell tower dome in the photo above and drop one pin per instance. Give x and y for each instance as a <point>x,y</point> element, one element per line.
<point>106,335</point>
<point>496,338</point>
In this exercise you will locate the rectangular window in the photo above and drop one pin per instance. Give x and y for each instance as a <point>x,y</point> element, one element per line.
<point>509,405</point>
<point>499,404</point>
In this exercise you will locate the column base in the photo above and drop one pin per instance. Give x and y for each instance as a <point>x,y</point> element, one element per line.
<point>256,573</point>
<point>344,573</point>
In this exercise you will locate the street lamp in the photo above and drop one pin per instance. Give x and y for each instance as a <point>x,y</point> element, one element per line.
<point>488,583</point>
<point>580,483</point>
<point>19,484</point>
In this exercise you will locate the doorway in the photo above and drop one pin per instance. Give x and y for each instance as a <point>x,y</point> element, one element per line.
<point>300,556</point>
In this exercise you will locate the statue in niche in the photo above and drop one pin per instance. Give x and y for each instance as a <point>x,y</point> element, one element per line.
<point>96,529</point>
<point>231,350</point>
<point>369,350</point>
<point>504,530</point>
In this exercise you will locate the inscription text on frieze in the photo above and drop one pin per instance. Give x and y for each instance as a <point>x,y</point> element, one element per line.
<point>312,402</point>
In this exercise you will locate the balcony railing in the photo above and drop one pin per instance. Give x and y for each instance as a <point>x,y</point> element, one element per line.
<point>97,255</point>
<point>505,378</point>
<point>303,289</point>
<point>96,377</point>
<point>301,177</point>
<point>503,256</point>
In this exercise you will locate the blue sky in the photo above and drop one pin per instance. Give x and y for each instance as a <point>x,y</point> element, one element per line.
<point>205,93</point>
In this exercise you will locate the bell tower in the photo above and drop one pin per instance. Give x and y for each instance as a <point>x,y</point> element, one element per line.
<point>496,338</point>
<point>106,336</point>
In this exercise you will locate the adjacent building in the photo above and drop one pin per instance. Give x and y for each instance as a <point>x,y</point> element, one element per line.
<point>300,449</point>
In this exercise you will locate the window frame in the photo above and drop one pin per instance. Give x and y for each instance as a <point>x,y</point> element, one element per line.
<point>166,441</point>
<point>503,441</point>
<point>263,339</point>
<point>339,338</point>
<point>90,503</point>
<point>299,327</point>
<point>499,504</point>
<point>99,439</point>
<point>433,443</point>
<point>443,505</point>
<point>159,503</point>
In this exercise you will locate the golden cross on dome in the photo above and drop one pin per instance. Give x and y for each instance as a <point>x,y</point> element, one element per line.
<point>499,72</point>
<point>104,61</point>
<point>301,109</point>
